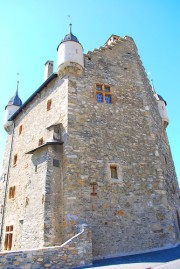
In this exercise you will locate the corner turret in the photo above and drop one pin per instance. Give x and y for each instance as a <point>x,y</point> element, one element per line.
<point>162,109</point>
<point>13,105</point>
<point>70,55</point>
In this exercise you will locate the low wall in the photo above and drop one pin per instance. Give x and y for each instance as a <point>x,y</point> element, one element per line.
<point>73,253</point>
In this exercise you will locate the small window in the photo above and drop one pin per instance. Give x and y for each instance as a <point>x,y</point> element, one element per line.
<point>99,87</point>
<point>20,129</point>
<point>55,163</point>
<point>99,97</point>
<point>15,159</point>
<point>35,168</point>
<point>12,192</point>
<point>41,141</point>
<point>107,89</point>
<point>8,238</point>
<point>114,173</point>
<point>103,93</point>
<point>49,104</point>
<point>108,99</point>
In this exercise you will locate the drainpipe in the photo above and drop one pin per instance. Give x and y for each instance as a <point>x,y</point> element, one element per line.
<point>6,186</point>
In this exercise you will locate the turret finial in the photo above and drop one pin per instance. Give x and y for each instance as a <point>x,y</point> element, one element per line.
<point>70,24</point>
<point>70,28</point>
<point>17,85</point>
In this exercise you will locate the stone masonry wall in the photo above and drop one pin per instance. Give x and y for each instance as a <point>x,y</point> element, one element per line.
<point>75,252</point>
<point>122,133</point>
<point>53,233</point>
<point>26,211</point>
<point>51,199</point>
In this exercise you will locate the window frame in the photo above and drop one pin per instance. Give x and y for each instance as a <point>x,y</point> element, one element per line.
<point>113,166</point>
<point>15,159</point>
<point>8,238</point>
<point>20,129</point>
<point>49,105</point>
<point>103,92</point>
<point>12,191</point>
<point>119,179</point>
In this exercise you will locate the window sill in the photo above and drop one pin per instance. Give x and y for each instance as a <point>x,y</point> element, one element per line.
<point>117,180</point>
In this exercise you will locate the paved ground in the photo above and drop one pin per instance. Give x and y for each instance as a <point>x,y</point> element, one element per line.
<point>154,259</point>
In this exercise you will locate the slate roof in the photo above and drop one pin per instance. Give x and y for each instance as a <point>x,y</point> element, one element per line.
<point>45,83</point>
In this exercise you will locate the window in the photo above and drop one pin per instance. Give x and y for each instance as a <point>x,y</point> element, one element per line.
<point>113,171</point>
<point>20,129</point>
<point>35,168</point>
<point>15,159</point>
<point>49,103</point>
<point>41,141</point>
<point>55,163</point>
<point>12,192</point>
<point>8,238</point>
<point>103,93</point>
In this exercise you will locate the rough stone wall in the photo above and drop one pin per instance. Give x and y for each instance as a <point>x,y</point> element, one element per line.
<point>166,168</point>
<point>51,200</point>
<point>75,252</point>
<point>26,212</point>
<point>123,133</point>
<point>54,198</point>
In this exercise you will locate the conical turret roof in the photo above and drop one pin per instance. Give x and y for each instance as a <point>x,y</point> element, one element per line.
<point>15,100</point>
<point>69,37</point>
<point>162,99</point>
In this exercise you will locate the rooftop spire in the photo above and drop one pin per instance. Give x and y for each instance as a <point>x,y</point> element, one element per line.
<point>17,84</point>
<point>17,88</point>
<point>70,28</point>
<point>15,100</point>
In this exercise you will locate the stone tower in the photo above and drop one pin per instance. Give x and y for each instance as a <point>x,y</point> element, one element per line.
<point>90,146</point>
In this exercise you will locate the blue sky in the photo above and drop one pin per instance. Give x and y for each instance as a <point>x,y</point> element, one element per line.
<point>31,31</point>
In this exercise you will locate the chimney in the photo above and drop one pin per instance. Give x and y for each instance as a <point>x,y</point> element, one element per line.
<point>48,70</point>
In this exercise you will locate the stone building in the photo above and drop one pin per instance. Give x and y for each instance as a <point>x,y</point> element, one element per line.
<point>89,146</point>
